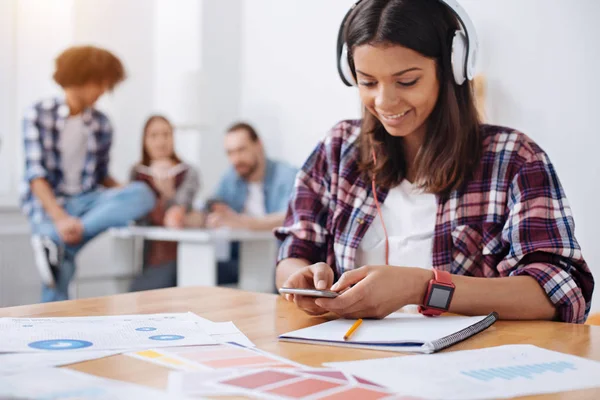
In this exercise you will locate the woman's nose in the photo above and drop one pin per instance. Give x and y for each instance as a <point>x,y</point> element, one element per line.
<point>386,97</point>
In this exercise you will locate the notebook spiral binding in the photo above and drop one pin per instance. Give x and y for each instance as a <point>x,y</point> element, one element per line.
<point>466,333</point>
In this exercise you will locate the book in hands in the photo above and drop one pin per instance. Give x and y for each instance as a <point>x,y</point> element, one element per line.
<point>156,173</point>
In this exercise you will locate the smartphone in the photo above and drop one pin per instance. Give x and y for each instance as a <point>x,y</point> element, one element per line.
<point>309,292</point>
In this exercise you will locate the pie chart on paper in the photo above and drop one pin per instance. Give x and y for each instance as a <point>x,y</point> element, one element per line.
<point>60,344</point>
<point>166,337</point>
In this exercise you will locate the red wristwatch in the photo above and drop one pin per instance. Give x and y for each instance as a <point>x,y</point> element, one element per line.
<point>439,294</point>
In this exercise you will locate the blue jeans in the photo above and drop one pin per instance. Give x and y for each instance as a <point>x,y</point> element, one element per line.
<point>98,211</point>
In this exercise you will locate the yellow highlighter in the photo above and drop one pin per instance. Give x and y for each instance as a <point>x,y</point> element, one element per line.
<point>353,328</point>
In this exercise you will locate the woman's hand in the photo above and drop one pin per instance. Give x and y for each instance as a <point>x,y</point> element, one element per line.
<point>175,217</point>
<point>377,292</point>
<point>70,229</point>
<point>316,276</point>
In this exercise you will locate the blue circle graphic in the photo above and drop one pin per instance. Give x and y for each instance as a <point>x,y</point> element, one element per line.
<point>60,344</point>
<point>166,337</point>
<point>145,329</point>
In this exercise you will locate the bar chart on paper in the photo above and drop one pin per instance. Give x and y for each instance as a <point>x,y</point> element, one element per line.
<point>490,373</point>
<point>519,371</point>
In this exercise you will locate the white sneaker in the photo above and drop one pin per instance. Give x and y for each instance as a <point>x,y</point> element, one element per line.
<point>48,258</point>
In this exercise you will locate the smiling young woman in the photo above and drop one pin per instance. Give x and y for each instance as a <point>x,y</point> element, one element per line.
<point>419,202</point>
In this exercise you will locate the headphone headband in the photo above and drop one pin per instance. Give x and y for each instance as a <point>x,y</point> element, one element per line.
<point>470,33</point>
<point>464,49</point>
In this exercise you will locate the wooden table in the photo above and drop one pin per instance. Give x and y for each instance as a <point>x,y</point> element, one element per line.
<point>263,316</point>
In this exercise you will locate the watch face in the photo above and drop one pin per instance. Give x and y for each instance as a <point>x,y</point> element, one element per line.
<point>440,296</point>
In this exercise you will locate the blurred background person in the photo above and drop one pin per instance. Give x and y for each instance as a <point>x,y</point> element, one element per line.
<point>253,194</point>
<point>175,184</point>
<point>68,195</point>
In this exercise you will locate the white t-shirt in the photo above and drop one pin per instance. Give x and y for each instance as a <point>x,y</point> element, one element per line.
<point>409,216</point>
<point>255,202</point>
<point>72,145</point>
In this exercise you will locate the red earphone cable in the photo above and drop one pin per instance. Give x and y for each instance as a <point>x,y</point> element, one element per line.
<point>387,242</point>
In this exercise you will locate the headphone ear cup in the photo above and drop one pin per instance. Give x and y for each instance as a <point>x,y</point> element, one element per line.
<point>344,68</point>
<point>459,56</point>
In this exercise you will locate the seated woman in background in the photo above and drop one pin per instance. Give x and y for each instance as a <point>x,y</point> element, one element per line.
<point>176,185</point>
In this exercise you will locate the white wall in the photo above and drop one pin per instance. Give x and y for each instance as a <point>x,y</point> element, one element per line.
<point>290,89</point>
<point>177,38</point>
<point>222,47</point>
<point>541,58</point>
<point>8,13</point>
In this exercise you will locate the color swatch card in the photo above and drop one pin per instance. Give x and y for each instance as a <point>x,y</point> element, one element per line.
<point>101,333</point>
<point>65,384</point>
<point>202,358</point>
<point>200,384</point>
<point>491,373</point>
<point>271,383</point>
<point>165,359</point>
<point>14,363</point>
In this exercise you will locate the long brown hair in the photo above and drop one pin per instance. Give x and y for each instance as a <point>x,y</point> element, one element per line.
<point>145,156</point>
<point>452,145</point>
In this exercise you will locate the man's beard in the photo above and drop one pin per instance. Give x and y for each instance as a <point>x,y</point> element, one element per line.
<point>251,170</point>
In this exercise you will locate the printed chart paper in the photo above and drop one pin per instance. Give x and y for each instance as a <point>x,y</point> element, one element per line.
<point>491,373</point>
<point>101,333</point>
<point>13,363</point>
<point>65,384</point>
<point>224,332</point>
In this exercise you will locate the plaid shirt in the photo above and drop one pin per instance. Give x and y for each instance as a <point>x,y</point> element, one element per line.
<point>42,127</point>
<point>511,219</point>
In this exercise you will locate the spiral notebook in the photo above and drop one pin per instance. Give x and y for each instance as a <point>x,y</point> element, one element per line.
<point>398,332</point>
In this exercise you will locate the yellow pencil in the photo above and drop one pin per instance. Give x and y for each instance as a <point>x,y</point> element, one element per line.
<point>352,329</point>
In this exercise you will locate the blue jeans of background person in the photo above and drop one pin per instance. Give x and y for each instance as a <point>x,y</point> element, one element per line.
<point>98,211</point>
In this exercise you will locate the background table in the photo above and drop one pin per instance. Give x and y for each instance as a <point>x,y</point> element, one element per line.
<point>197,254</point>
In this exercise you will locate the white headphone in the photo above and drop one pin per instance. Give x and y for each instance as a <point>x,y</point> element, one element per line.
<point>464,46</point>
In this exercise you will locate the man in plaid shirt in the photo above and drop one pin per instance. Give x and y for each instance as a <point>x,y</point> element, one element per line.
<point>68,194</point>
